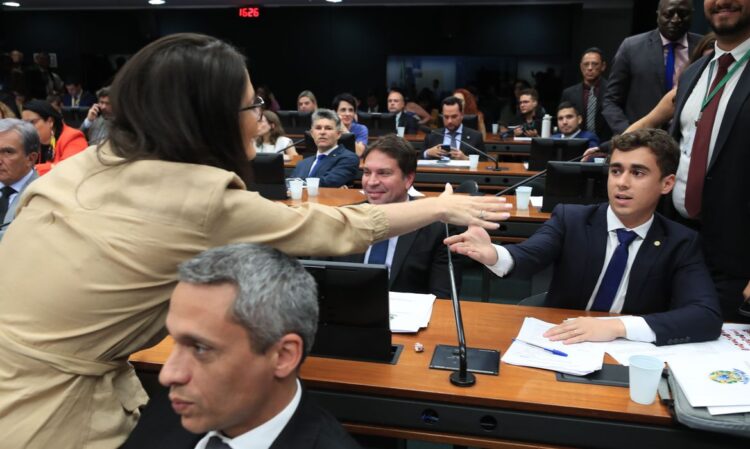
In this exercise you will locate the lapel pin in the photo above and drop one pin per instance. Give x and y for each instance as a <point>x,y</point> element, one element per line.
<point>657,243</point>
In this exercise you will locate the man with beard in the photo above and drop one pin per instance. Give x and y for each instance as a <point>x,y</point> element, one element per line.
<point>712,189</point>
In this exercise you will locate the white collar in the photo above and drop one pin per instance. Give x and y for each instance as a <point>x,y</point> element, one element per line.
<point>326,152</point>
<point>18,185</point>
<point>738,51</point>
<point>614,223</point>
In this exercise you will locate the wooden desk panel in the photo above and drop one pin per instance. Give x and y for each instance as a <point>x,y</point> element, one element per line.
<point>330,197</point>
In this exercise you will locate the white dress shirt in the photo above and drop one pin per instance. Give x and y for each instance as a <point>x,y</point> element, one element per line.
<point>263,436</point>
<point>315,162</point>
<point>691,112</point>
<point>636,327</point>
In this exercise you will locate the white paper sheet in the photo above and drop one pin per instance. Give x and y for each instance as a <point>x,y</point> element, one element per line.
<point>438,163</point>
<point>409,311</point>
<point>713,380</point>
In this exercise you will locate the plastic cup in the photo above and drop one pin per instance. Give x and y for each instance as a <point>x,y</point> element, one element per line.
<point>295,188</point>
<point>523,195</point>
<point>473,161</point>
<point>494,128</point>
<point>645,373</point>
<point>312,186</point>
<point>401,130</point>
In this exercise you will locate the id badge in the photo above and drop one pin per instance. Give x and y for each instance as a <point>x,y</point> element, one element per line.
<point>687,142</point>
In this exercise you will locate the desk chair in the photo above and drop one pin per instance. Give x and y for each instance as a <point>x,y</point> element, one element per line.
<point>534,300</point>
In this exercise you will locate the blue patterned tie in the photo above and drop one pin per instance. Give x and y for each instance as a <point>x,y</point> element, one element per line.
<point>669,68</point>
<point>314,170</point>
<point>613,276</point>
<point>378,253</point>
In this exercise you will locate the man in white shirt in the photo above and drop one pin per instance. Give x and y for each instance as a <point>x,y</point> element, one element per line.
<point>19,149</point>
<point>243,317</point>
<point>619,257</point>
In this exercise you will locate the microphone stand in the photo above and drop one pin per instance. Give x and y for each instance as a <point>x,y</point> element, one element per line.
<point>293,144</point>
<point>471,147</point>
<point>462,377</point>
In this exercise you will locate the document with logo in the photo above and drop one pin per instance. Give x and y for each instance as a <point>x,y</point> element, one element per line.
<point>713,380</point>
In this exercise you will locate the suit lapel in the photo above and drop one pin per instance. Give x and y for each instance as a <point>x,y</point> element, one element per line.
<point>596,240</point>
<point>647,256</point>
<point>656,52</point>
<point>740,93</point>
<point>329,160</point>
<point>403,246</point>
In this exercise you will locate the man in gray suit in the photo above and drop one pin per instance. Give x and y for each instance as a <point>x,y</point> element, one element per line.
<point>647,65</point>
<point>19,149</point>
<point>587,95</point>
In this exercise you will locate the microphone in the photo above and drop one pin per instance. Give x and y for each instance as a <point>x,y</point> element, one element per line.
<point>531,178</point>
<point>428,130</point>
<point>293,144</point>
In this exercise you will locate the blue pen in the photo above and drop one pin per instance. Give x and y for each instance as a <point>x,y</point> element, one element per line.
<point>554,351</point>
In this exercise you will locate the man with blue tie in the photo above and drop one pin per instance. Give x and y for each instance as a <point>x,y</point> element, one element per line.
<point>454,134</point>
<point>19,149</point>
<point>333,164</point>
<point>620,257</point>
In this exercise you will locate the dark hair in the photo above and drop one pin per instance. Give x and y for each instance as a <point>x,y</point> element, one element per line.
<point>277,130</point>
<point>178,100</point>
<point>450,101</point>
<point>658,141</point>
<point>397,148</point>
<point>349,98</point>
<point>531,92</point>
<point>103,92</point>
<point>567,105</point>
<point>596,50</point>
<point>706,43</point>
<point>45,110</point>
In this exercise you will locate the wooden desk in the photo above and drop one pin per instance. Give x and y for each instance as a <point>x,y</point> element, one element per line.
<point>521,404</point>
<point>330,197</point>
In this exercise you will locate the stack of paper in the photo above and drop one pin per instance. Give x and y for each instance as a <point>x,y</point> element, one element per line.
<point>720,382</point>
<point>409,311</point>
<point>582,358</point>
<point>440,163</point>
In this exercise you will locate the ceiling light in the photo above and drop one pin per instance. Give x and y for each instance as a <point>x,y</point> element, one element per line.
<point>156,2</point>
<point>334,1</point>
<point>12,4</point>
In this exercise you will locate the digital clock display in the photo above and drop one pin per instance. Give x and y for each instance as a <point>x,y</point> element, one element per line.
<point>250,12</point>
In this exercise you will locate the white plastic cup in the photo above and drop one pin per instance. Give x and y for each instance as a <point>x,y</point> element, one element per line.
<point>295,188</point>
<point>494,128</point>
<point>473,161</point>
<point>401,130</point>
<point>312,186</point>
<point>600,160</point>
<point>523,196</point>
<point>645,373</point>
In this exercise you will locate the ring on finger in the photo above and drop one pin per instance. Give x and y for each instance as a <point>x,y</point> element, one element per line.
<point>481,214</point>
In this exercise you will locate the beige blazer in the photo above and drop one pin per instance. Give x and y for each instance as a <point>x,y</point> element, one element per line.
<point>86,273</point>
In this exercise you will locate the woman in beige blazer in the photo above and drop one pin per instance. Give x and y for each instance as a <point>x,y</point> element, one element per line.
<point>89,263</point>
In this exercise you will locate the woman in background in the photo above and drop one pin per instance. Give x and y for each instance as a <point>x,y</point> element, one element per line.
<point>470,107</point>
<point>271,138</point>
<point>345,106</point>
<point>59,141</point>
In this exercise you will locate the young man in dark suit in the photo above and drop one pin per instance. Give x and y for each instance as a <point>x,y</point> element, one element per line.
<point>647,65</point>
<point>588,95</point>
<point>418,261</point>
<point>453,134</point>
<point>243,317</point>
<point>333,164</point>
<point>619,257</point>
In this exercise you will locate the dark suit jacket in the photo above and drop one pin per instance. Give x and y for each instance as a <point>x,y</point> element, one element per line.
<point>87,99</point>
<point>725,214</point>
<point>636,81</point>
<point>409,122</point>
<point>338,169</point>
<point>669,283</point>
<point>311,427</point>
<point>420,263</point>
<point>468,135</point>
<point>574,95</point>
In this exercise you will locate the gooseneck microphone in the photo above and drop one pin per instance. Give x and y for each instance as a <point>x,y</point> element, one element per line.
<point>428,130</point>
<point>293,144</point>
<point>531,178</point>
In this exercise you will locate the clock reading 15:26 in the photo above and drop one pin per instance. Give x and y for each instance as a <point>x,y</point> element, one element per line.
<point>251,12</point>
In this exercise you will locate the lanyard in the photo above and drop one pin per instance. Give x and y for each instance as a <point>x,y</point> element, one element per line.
<point>709,96</point>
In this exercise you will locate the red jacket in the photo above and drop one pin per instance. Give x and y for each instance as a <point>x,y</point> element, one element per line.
<point>70,142</point>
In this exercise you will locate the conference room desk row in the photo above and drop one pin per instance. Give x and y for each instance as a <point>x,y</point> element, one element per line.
<point>520,225</point>
<point>435,177</point>
<point>520,408</point>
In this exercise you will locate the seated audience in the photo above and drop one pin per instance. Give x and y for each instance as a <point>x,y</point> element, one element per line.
<point>19,150</point>
<point>76,96</point>
<point>306,101</point>
<point>529,119</point>
<point>662,276</point>
<point>333,164</point>
<point>454,134</point>
<point>271,138</point>
<point>58,140</point>
<point>417,261</point>
<point>397,105</point>
<point>97,121</point>
<point>243,318</point>
<point>56,102</point>
<point>509,110</point>
<point>569,125</point>
<point>469,103</point>
<point>345,106</point>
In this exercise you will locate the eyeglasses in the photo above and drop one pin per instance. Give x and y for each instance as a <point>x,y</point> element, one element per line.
<point>255,107</point>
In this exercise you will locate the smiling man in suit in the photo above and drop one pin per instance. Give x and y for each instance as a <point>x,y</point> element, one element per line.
<point>418,261</point>
<point>619,257</point>
<point>243,317</point>
<point>712,190</point>
<point>454,134</point>
<point>333,164</point>
<point>648,65</point>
